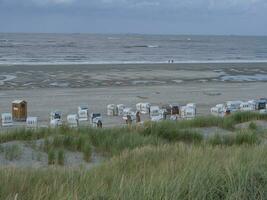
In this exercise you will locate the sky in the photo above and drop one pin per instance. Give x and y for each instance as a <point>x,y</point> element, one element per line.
<point>212,17</point>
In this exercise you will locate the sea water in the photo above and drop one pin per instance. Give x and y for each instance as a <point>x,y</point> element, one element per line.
<point>37,49</point>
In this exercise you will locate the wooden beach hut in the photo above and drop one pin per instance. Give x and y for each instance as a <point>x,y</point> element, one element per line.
<point>19,110</point>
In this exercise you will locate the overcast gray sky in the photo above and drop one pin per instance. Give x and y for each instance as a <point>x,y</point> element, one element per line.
<point>239,17</point>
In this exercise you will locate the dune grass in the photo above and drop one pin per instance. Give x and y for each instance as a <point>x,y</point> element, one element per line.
<point>167,160</point>
<point>174,171</point>
<point>227,122</point>
<point>60,157</point>
<point>252,126</point>
<point>25,134</point>
<point>240,137</point>
<point>87,152</point>
<point>51,157</point>
<point>112,141</point>
<point>12,152</point>
<point>168,130</point>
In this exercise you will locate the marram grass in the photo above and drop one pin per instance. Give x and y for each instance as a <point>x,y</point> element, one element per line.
<point>176,171</point>
<point>168,160</point>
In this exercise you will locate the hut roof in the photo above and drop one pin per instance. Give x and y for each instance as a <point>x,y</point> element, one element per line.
<point>18,101</point>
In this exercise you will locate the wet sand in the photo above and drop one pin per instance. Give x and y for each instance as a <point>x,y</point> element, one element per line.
<point>91,76</point>
<point>48,88</point>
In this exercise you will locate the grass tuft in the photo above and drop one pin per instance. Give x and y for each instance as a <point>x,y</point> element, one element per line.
<point>87,152</point>
<point>12,152</point>
<point>252,126</point>
<point>60,157</point>
<point>51,157</point>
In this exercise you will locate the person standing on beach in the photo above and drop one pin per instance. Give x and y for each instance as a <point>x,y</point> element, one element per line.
<point>138,117</point>
<point>99,124</point>
<point>129,120</point>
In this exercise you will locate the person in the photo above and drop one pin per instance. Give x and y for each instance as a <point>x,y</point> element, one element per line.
<point>164,115</point>
<point>129,120</point>
<point>99,124</point>
<point>138,117</point>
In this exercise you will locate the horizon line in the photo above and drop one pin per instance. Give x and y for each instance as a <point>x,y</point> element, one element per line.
<point>135,33</point>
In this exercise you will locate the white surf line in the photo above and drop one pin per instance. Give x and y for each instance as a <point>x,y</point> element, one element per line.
<point>6,78</point>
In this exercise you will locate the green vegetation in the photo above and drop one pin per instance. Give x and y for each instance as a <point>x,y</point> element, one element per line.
<point>167,160</point>
<point>116,139</point>
<point>173,171</point>
<point>12,152</point>
<point>51,157</point>
<point>25,134</point>
<point>252,126</point>
<point>246,137</point>
<point>87,152</point>
<point>56,157</point>
<point>60,157</point>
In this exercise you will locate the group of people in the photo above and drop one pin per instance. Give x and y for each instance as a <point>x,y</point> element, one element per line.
<point>129,119</point>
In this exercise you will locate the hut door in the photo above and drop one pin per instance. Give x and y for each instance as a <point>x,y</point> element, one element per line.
<point>22,110</point>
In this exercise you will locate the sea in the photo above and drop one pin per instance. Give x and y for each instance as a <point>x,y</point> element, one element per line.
<point>43,49</point>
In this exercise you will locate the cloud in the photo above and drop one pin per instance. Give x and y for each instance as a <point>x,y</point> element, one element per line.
<point>45,2</point>
<point>135,9</point>
<point>19,3</point>
<point>211,4</point>
<point>127,16</point>
<point>184,3</point>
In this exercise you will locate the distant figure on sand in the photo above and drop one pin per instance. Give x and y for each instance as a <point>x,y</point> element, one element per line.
<point>129,120</point>
<point>164,115</point>
<point>99,124</point>
<point>138,117</point>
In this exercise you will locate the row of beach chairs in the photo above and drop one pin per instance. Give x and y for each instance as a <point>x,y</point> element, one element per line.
<point>155,112</point>
<point>73,120</point>
<point>229,107</point>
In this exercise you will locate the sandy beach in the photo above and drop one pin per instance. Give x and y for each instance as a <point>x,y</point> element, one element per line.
<point>65,87</point>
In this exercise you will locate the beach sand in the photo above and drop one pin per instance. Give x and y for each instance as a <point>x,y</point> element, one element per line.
<point>65,87</point>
